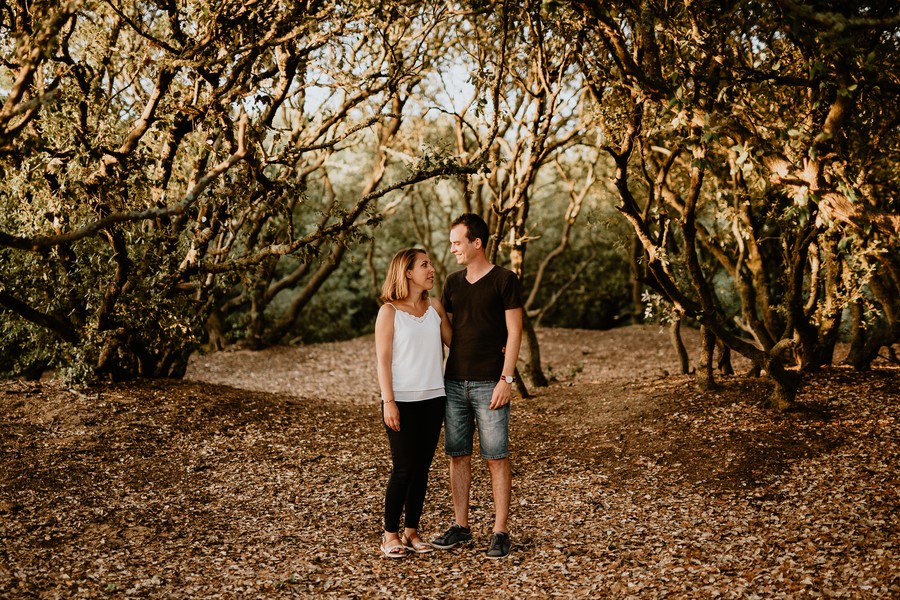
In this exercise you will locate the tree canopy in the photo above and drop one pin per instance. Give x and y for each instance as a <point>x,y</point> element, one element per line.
<point>178,174</point>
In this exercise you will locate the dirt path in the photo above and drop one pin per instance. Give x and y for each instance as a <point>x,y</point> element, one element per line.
<point>262,476</point>
<point>344,372</point>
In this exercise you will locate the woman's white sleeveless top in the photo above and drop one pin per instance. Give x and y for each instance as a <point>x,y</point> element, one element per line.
<point>417,356</point>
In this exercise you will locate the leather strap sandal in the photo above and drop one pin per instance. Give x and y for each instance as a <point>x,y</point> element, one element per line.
<point>393,548</point>
<point>418,546</point>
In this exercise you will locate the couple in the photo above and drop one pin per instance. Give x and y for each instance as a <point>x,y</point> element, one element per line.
<point>482,314</point>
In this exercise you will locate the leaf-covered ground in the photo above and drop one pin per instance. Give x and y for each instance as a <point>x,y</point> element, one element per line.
<point>262,476</point>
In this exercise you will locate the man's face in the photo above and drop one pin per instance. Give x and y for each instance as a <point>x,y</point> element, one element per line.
<point>460,245</point>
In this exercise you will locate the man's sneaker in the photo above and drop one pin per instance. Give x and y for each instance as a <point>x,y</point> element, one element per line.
<point>500,546</point>
<point>457,534</point>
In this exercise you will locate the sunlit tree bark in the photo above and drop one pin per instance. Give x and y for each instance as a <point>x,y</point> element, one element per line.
<point>770,95</point>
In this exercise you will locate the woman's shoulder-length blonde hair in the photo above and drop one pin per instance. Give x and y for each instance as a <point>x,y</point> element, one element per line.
<point>396,285</point>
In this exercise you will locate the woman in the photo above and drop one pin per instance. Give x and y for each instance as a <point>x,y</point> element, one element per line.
<point>409,330</point>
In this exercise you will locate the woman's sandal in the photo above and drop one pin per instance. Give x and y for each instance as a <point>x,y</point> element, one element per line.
<point>393,548</point>
<point>419,546</point>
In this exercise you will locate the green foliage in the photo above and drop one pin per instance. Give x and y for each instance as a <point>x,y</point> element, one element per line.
<point>152,185</point>
<point>27,349</point>
<point>260,164</point>
<point>598,300</point>
<point>344,309</point>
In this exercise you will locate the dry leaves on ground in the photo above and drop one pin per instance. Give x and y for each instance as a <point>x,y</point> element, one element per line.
<point>262,475</point>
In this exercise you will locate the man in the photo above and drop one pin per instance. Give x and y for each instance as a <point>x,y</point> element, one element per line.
<point>484,305</point>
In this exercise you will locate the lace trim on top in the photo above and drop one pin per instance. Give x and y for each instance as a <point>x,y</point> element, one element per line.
<point>414,317</point>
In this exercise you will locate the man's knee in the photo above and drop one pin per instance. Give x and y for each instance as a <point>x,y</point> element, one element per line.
<point>498,464</point>
<point>464,459</point>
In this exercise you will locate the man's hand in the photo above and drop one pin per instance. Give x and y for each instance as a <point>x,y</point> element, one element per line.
<point>501,396</point>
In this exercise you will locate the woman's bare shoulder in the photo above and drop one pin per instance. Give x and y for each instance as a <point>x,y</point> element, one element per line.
<point>387,310</point>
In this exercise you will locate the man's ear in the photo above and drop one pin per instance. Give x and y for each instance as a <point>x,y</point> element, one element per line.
<point>477,242</point>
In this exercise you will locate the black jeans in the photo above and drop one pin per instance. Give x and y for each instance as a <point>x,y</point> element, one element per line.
<point>412,450</point>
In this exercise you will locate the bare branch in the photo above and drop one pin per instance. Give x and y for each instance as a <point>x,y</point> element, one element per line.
<point>346,223</point>
<point>64,330</point>
<point>137,29</point>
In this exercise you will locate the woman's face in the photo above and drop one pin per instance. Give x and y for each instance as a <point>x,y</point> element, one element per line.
<point>422,272</point>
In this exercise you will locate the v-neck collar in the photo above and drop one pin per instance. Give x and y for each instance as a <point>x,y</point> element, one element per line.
<point>486,273</point>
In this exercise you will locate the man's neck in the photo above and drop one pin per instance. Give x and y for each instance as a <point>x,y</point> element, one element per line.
<point>478,268</point>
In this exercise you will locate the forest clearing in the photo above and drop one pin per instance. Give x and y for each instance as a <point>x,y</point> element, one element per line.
<point>262,475</point>
<point>198,198</point>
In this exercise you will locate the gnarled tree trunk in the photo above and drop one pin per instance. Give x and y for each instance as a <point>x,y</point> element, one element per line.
<point>675,336</point>
<point>530,355</point>
<point>705,379</point>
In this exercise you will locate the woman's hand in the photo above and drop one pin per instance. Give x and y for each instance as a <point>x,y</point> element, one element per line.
<point>392,415</point>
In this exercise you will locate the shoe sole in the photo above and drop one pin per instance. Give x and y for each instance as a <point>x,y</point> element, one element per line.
<point>440,547</point>
<point>499,557</point>
<point>392,555</point>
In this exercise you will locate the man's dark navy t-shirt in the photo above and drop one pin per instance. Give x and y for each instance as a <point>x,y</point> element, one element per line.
<point>479,322</point>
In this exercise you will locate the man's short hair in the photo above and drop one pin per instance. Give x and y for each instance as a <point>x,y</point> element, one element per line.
<point>476,228</point>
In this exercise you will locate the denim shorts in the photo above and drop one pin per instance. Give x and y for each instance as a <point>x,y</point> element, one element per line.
<point>468,406</point>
